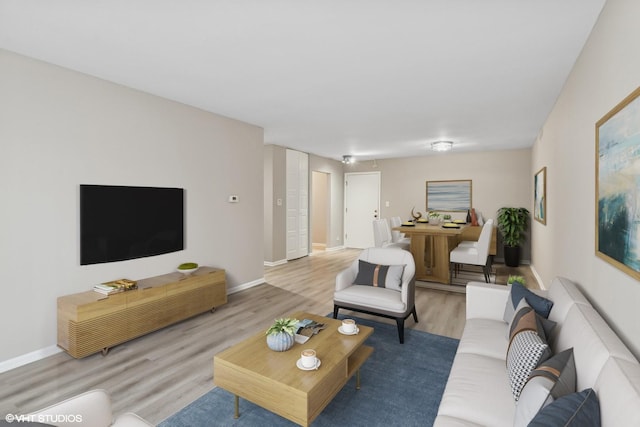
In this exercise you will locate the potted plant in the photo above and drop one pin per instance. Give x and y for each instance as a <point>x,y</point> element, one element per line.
<point>280,334</point>
<point>512,223</point>
<point>516,279</point>
<point>434,217</point>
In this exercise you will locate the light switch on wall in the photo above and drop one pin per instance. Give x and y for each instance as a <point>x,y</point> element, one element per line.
<point>386,204</point>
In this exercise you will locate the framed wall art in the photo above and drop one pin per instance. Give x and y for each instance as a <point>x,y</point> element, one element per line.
<point>540,196</point>
<point>449,195</point>
<point>617,173</point>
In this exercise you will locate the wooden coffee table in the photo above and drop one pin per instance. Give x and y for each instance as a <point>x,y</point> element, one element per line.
<point>271,379</point>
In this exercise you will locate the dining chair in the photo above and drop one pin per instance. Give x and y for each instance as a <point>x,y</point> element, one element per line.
<point>474,243</point>
<point>397,236</point>
<point>477,254</point>
<point>382,236</point>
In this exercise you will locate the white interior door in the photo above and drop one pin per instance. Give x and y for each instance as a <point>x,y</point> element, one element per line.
<point>362,206</point>
<point>297,204</point>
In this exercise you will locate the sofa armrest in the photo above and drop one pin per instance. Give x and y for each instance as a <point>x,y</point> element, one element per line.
<point>93,406</point>
<point>486,300</point>
<point>130,419</point>
<point>345,278</point>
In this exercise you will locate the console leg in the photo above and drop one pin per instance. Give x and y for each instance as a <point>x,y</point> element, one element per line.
<point>358,379</point>
<point>236,413</point>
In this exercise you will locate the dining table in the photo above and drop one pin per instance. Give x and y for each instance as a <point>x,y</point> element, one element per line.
<point>430,246</point>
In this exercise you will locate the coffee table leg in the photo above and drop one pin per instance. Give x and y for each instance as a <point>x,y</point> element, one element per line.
<point>358,379</point>
<point>236,414</point>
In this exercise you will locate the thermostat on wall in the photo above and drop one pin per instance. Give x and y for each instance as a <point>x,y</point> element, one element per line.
<point>233,199</point>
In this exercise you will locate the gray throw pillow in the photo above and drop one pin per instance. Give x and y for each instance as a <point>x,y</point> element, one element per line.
<point>383,276</point>
<point>552,379</point>
<point>580,409</point>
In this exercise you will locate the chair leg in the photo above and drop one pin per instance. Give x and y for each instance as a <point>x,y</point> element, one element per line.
<point>415,314</point>
<point>400,323</point>
<point>335,311</point>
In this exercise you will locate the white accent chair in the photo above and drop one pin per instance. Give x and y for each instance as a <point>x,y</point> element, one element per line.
<point>93,406</point>
<point>382,236</point>
<point>471,254</point>
<point>396,236</point>
<point>386,302</point>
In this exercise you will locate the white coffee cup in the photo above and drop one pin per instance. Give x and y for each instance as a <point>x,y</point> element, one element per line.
<point>308,358</point>
<point>348,326</point>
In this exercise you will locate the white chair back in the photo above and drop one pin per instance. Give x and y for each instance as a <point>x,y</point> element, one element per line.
<point>381,233</point>
<point>484,241</point>
<point>396,236</point>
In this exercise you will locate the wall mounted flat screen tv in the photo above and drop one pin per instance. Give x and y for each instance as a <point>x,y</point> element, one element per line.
<point>121,222</point>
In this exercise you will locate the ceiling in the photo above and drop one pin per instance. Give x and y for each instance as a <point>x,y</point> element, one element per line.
<point>370,78</point>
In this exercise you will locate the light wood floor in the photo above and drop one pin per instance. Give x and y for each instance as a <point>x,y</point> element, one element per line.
<point>158,374</point>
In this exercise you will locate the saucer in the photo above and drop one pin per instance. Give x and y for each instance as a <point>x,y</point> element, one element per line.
<point>313,368</point>
<point>348,333</point>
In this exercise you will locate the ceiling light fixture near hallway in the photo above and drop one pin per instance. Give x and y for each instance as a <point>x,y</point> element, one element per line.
<point>347,160</point>
<point>441,145</point>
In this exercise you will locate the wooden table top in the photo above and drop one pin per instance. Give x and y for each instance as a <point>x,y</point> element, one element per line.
<point>432,229</point>
<point>331,347</point>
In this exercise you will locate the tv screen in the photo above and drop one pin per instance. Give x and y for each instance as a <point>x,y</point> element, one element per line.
<point>120,222</point>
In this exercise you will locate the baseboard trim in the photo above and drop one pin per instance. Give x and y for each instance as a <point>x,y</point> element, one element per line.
<point>334,248</point>
<point>275,263</point>
<point>25,359</point>
<point>538,278</point>
<point>244,286</point>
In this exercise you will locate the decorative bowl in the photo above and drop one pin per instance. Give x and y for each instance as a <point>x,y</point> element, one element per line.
<point>187,270</point>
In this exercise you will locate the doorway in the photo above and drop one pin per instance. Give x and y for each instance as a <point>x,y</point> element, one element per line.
<point>320,206</point>
<point>362,206</point>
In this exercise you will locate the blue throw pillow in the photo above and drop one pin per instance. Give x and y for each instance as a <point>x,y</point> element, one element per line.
<point>581,409</point>
<point>541,305</point>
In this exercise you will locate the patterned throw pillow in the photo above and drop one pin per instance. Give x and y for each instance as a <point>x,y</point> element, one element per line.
<point>526,351</point>
<point>552,379</point>
<point>383,276</point>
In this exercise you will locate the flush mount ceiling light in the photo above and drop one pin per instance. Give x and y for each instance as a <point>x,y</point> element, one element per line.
<point>441,145</point>
<point>347,160</point>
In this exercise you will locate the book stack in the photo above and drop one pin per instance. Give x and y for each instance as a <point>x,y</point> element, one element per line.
<point>115,286</point>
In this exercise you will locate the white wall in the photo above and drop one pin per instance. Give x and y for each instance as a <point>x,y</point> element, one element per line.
<point>605,73</point>
<point>59,129</point>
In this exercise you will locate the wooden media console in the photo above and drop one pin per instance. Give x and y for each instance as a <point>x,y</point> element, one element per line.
<point>89,322</point>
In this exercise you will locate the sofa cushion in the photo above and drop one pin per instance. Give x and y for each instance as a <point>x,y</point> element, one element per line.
<point>526,350</point>
<point>478,391</point>
<point>378,275</point>
<point>485,337</point>
<point>371,297</point>
<point>553,378</point>
<point>564,293</point>
<point>618,388</point>
<point>593,342</point>
<point>540,304</point>
<point>580,409</point>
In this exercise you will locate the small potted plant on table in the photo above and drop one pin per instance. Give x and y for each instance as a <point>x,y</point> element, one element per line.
<point>280,334</point>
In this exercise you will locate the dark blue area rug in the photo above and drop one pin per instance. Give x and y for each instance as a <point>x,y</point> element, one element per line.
<point>401,385</point>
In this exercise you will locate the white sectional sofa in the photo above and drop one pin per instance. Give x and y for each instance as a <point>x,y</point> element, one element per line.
<point>478,391</point>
